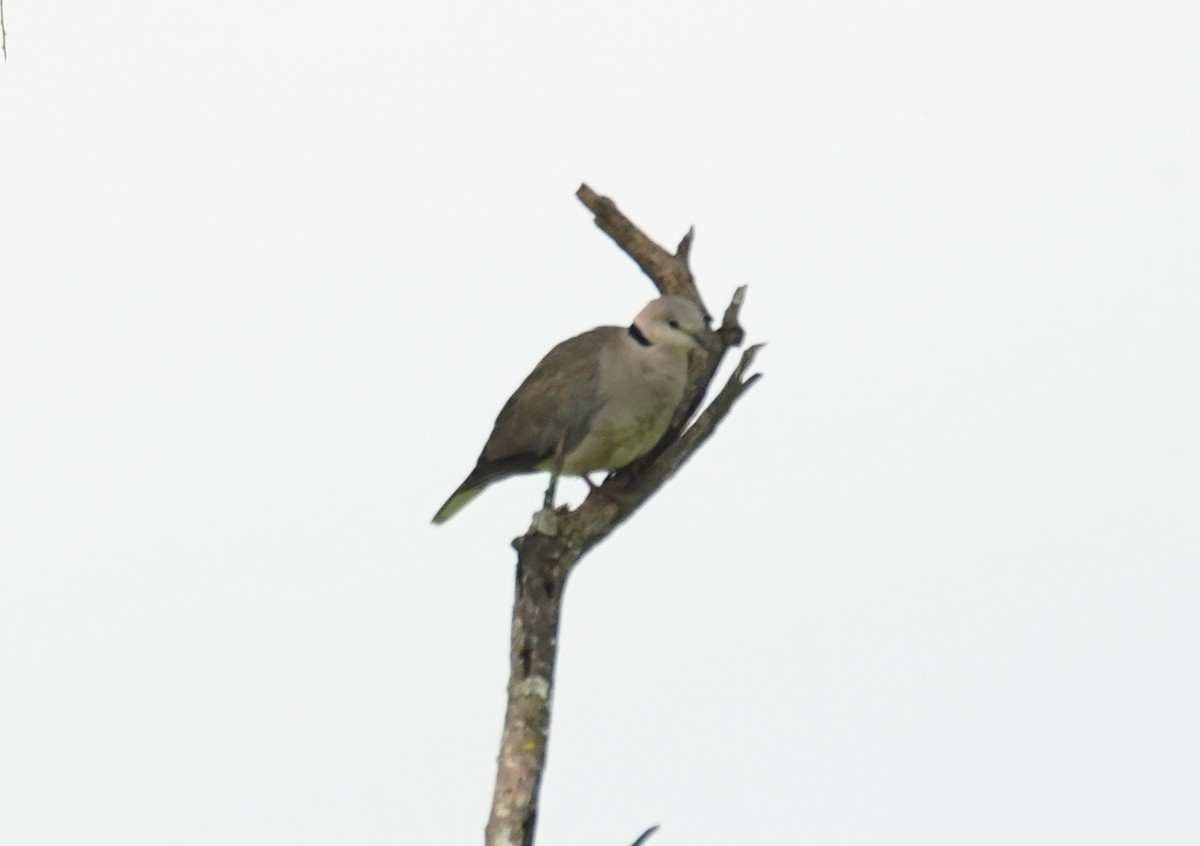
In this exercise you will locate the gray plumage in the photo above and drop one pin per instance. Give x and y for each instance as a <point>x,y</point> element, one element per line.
<point>607,395</point>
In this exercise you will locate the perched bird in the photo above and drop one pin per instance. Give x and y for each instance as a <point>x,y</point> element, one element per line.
<point>597,401</point>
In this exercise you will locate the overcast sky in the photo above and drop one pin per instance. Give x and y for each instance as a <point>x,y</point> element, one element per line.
<point>269,270</point>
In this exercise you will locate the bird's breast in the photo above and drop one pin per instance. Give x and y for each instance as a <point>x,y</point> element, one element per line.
<point>640,400</point>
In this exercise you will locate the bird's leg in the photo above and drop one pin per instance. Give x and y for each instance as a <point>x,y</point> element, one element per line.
<point>555,472</point>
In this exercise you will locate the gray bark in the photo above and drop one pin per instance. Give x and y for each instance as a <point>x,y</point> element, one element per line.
<point>557,540</point>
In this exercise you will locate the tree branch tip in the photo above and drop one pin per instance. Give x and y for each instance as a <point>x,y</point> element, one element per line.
<point>645,835</point>
<point>685,245</point>
<point>749,354</point>
<point>730,320</point>
<point>748,359</point>
<point>597,204</point>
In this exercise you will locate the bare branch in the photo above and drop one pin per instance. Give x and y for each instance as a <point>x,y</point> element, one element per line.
<point>645,835</point>
<point>557,540</point>
<point>731,330</point>
<point>536,606</point>
<point>3,32</point>
<point>703,367</point>
<point>684,251</point>
<point>669,273</point>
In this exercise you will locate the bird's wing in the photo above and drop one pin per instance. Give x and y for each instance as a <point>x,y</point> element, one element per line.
<point>556,401</point>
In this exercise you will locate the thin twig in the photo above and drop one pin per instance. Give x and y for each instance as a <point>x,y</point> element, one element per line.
<point>3,32</point>
<point>645,835</point>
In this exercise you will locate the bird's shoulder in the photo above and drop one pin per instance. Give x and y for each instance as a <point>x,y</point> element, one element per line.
<point>570,357</point>
<point>558,397</point>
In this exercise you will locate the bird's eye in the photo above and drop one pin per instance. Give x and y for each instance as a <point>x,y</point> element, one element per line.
<point>674,324</point>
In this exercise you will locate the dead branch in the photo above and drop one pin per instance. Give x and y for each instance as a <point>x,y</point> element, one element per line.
<point>645,835</point>
<point>554,544</point>
<point>669,272</point>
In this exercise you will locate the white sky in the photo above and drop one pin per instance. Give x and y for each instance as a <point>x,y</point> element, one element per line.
<point>268,270</point>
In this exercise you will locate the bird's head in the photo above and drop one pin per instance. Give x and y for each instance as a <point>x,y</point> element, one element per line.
<point>672,323</point>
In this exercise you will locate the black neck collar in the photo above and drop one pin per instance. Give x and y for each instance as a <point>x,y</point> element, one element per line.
<point>637,335</point>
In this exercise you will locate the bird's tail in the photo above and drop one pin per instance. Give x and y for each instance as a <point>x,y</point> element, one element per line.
<point>456,501</point>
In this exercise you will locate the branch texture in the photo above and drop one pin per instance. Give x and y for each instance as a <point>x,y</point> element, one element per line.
<point>669,272</point>
<point>554,544</point>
